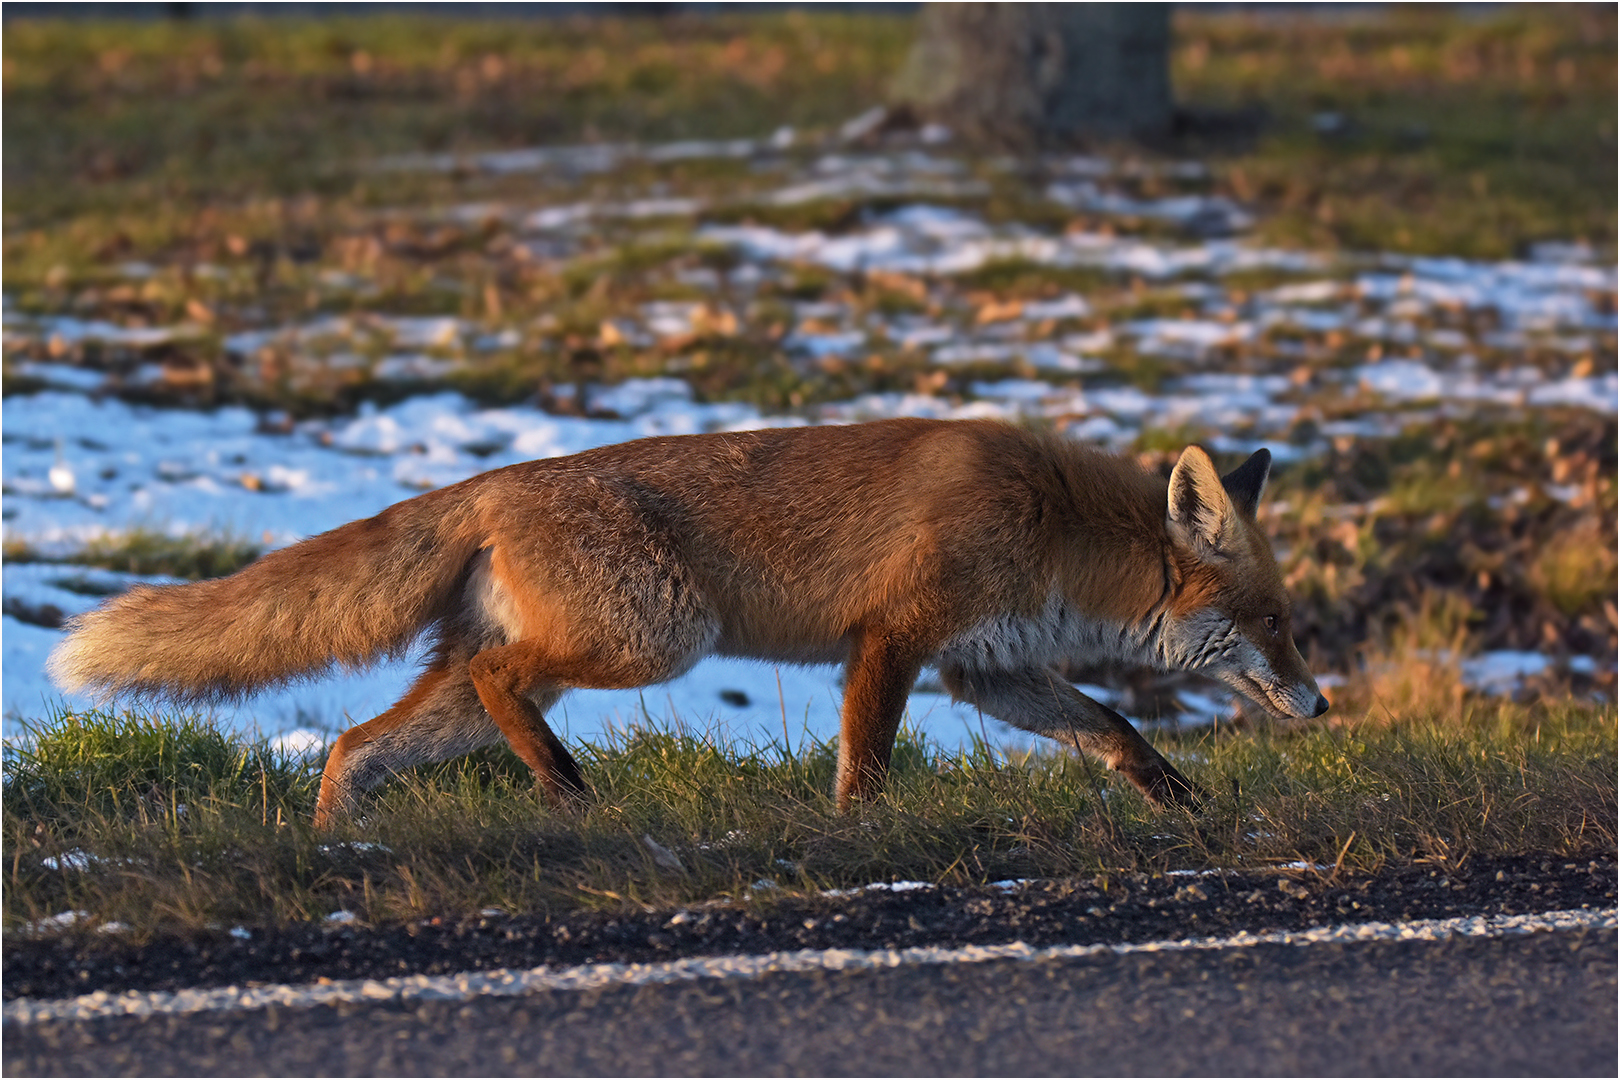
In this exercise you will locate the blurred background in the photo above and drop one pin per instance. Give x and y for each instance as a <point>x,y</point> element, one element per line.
<point>272,267</point>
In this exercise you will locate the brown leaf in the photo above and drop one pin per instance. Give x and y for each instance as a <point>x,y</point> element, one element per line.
<point>999,311</point>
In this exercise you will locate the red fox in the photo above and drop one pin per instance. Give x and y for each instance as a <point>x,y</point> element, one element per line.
<point>988,551</point>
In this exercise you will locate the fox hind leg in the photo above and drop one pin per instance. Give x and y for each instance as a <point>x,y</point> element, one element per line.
<point>440,717</point>
<point>516,683</point>
<point>608,605</point>
<point>515,686</point>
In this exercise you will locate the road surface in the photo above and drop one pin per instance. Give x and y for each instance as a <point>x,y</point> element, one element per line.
<point>1533,1004</point>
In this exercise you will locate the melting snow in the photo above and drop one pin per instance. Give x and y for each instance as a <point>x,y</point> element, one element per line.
<point>79,467</point>
<point>1501,672</point>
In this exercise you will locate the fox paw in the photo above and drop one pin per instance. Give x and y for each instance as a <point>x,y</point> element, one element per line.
<point>1166,788</point>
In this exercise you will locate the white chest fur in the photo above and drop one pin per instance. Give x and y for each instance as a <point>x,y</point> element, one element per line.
<point>1056,633</point>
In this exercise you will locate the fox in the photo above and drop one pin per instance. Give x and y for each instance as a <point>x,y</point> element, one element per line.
<point>988,551</point>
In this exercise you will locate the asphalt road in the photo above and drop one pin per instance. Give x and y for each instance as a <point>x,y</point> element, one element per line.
<point>1540,1004</point>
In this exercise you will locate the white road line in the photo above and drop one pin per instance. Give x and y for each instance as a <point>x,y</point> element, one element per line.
<point>508,982</point>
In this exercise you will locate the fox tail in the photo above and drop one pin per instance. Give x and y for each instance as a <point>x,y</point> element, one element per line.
<point>349,597</point>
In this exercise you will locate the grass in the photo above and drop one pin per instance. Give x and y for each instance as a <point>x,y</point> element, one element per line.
<point>1455,134</point>
<point>150,136</point>
<point>251,139</point>
<point>1576,571</point>
<point>162,823</point>
<point>236,163</point>
<point>1454,514</point>
<point>342,90</point>
<point>238,159</point>
<point>190,557</point>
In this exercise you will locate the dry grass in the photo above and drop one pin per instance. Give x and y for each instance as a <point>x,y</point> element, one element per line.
<point>249,147</point>
<point>170,824</point>
<point>1454,521</point>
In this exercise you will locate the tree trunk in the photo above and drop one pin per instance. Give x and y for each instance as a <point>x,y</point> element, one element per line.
<point>1035,76</point>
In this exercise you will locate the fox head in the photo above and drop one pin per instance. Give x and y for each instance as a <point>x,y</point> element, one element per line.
<point>1230,616</point>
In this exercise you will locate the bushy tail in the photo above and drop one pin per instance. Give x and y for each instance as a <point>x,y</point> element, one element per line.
<point>348,597</point>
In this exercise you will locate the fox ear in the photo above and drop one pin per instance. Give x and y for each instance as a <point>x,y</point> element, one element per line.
<point>1200,509</point>
<point>1246,483</point>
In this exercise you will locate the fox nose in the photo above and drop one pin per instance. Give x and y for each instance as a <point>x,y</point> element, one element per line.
<point>1321,704</point>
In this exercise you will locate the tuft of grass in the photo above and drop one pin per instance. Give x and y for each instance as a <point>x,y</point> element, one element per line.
<point>1576,570</point>
<point>165,823</point>
<point>129,764</point>
<point>190,557</point>
<point>1415,668</point>
<point>1025,278</point>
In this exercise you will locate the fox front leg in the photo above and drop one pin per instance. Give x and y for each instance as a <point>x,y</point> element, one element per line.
<point>1042,702</point>
<point>882,667</point>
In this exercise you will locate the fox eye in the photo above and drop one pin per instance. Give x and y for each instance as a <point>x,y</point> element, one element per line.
<point>1271,623</point>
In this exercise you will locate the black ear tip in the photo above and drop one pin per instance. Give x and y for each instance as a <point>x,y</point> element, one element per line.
<point>1263,456</point>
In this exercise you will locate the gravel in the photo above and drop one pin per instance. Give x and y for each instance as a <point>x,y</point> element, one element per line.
<point>1109,909</point>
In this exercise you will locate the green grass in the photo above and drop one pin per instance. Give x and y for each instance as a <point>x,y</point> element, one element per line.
<point>1024,278</point>
<point>190,557</point>
<point>215,139</point>
<point>1464,134</point>
<point>168,824</point>
<point>184,113</point>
